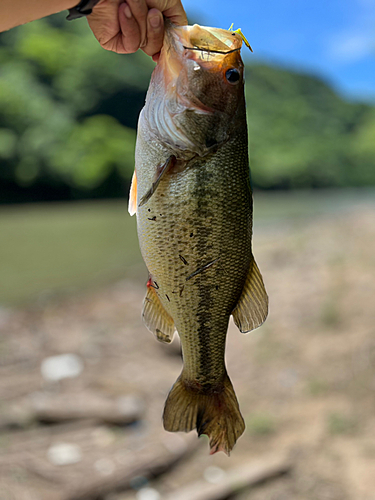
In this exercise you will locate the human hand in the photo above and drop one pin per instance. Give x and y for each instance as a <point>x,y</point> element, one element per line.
<point>124,27</point>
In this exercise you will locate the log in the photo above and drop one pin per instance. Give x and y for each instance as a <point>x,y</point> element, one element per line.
<point>63,408</point>
<point>150,462</point>
<point>121,411</point>
<point>234,481</point>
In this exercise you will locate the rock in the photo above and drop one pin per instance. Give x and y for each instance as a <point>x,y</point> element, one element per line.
<point>148,494</point>
<point>64,454</point>
<point>214,474</point>
<point>55,368</point>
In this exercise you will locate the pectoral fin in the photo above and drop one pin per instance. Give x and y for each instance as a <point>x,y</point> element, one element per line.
<point>132,207</point>
<point>161,172</point>
<point>252,308</point>
<point>156,317</point>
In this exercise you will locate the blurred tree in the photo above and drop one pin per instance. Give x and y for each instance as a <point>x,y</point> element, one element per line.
<point>301,132</point>
<point>92,149</point>
<point>68,110</point>
<point>54,79</point>
<point>362,152</point>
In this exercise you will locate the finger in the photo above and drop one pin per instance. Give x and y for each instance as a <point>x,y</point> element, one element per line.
<point>104,23</point>
<point>131,36</point>
<point>155,32</point>
<point>139,11</point>
<point>171,9</point>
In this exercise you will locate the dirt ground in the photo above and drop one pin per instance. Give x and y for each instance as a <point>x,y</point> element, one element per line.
<point>305,381</point>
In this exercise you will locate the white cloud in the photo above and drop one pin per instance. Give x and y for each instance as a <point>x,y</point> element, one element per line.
<point>357,40</point>
<point>352,47</point>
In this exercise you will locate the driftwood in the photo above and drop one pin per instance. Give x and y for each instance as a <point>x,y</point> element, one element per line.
<point>24,447</point>
<point>150,462</point>
<point>109,461</point>
<point>63,408</point>
<point>234,481</point>
<point>121,411</point>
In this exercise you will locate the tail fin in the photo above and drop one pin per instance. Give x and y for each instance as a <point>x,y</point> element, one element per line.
<point>215,413</point>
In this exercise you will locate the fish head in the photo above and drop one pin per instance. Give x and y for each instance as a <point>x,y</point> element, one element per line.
<point>197,88</point>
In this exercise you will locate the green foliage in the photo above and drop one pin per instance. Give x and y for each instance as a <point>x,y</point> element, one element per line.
<point>317,387</point>
<point>260,424</point>
<point>302,133</point>
<point>362,152</point>
<point>330,315</point>
<point>96,145</point>
<point>339,423</point>
<point>54,77</point>
<point>68,112</point>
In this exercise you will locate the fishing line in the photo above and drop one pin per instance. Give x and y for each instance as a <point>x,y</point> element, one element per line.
<point>212,51</point>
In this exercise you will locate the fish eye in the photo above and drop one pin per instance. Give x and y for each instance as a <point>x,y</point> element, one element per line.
<point>232,75</point>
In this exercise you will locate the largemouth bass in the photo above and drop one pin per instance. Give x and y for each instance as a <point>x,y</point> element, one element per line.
<point>191,192</point>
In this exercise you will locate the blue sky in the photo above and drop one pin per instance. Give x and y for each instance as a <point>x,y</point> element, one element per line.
<point>331,38</point>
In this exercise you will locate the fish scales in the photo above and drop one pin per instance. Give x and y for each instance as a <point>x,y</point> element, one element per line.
<point>216,210</point>
<point>194,218</point>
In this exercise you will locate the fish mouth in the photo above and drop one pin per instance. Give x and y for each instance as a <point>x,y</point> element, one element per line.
<point>190,94</point>
<point>205,40</point>
<point>208,48</point>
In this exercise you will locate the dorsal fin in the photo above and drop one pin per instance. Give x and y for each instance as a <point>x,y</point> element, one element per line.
<point>132,207</point>
<point>252,308</point>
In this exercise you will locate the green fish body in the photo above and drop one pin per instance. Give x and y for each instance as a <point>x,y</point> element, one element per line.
<point>193,201</point>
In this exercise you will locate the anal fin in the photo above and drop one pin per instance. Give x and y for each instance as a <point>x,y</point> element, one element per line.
<point>156,318</point>
<point>132,207</point>
<point>252,308</point>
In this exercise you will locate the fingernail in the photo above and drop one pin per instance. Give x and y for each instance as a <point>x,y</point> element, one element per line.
<point>155,21</point>
<point>127,11</point>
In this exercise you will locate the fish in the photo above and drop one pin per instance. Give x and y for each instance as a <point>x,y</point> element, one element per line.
<point>192,196</point>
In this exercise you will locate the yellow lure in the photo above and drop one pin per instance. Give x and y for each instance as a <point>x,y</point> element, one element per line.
<point>239,31</point>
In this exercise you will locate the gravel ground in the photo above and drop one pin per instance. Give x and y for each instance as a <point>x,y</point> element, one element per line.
<point>305,382</point>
